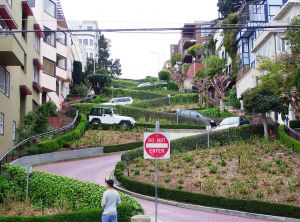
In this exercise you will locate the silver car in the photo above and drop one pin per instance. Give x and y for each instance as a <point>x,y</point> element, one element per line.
<point>196,115</point>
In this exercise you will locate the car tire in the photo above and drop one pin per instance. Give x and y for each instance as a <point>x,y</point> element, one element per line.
<point>96,122</point>
<point>125,124</point>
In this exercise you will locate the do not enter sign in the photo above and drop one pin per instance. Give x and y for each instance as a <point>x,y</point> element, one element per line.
<point>156,146</point>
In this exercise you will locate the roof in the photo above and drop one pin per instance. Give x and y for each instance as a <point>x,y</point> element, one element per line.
<point>286,8</point>
<point>195,67</point>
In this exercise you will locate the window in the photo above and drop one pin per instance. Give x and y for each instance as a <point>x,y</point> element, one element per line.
<point>36,42</point>
<point>3,25</point>
<point>91,55</point>
<point>91,42</point>
<point>274,9</point>
<point>9,2</point>
<point>90,27</point>
<point>57,88</point>
<point>85,42</point>
<point>48,66</point>
<point>31,3</point>
<point>50,8</point>
<point>245,47</point>
<point>4,81</point>
<point>107,112</point>
<point>14,127</point>
<point>61,61</point>
<point>36,75</point>
<point>281,45</point>
<point>61,38</point>
<point>24,25</point>
<point>49,37</point>
<point>257,13</point>
<point>1,123</point>
<point>80,41</point>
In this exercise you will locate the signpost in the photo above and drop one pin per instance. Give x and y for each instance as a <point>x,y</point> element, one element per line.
<point>28,171</point>
<point>156,146</point>
<point>208,128</point>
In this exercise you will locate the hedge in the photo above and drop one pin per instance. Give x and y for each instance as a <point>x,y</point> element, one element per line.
<point>54,144</point>
<point>252,206</point>
<point>118,83</point>
<point>287,140</point>
<point>135,94</point>
<point>55,190</point>
<point>177,99</point>
<point>294,124</point>
<point>122,147</point>
<point>89,215</point>
<point>141,113</point>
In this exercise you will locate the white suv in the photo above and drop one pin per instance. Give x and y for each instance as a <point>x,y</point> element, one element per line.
<point>119,101</point>
<point>101,115</point>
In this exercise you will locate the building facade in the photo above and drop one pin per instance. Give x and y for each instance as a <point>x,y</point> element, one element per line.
<point>88,41</point>
<point>55,53</point>
<point>20,65</point>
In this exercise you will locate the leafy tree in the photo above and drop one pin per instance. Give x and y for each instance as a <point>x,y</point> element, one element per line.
<point>115,68</point>
<point>77,74</point>
<point>195,49</point>
<point>164,75</point>
<point>179,74</point>
<point>229,6</point>
<point>293,37</point>
<point>89,67</point>
<point>175,59</point>
<point>99,80</point>
<point>262,100</point>
<point>103,53</point>
<point>215,65</point>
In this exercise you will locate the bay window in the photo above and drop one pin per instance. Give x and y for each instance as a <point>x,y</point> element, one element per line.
<point>50,8</point>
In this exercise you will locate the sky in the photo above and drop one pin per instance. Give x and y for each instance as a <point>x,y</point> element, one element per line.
<point>141,54</point>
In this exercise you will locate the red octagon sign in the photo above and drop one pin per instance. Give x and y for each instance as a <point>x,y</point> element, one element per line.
<point>156,146</point>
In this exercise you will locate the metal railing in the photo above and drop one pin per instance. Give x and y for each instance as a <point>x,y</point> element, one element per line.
<point>19,150</point>
<point>292,133</point>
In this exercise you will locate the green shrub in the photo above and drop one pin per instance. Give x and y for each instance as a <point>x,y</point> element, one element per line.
<point>79,90</point>
<point>119,83</point>
<point>135,94</point>
<point>294,124</point>
<point>89,215</point>
<point>53,189</point>
<point>122,147</point>
<point>252,206</point>
<point>287,140</point>
<point>54,144</point>
<point>97,100</point>
<point>216,113</point>
<point>172,86</point>
<point>213,168</point>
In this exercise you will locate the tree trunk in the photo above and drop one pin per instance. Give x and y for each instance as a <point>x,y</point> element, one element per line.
<point>200,99</point>
<point>181,89</point>
<point>222,105</point>
<point>265,123</point>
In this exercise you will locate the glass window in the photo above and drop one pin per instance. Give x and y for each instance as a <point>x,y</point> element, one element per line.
<point>9,2</point>
<point>48,66</point>
<point>230,121</point>
<point>246,47</point>
<point>257,12</point>
<point>107,111</point>
<point>61,38</point>
<point>91,42</point>
<point>14,127</point>
<point>37,42</point>
<point>49,37</point>
<point>50,8</point>
<point>274,9</point>
<point>57,88</point>
<point>24,25</point>
<point>91,55</point>
<point>3,25</point>
<point>1,123</point>
<point>61,61</point>
<point>85,42</point>
<point>80,41</point>
<point>31,3</point>
<point>4,81</point>
<point>36,75</point>
<point>115,112</point>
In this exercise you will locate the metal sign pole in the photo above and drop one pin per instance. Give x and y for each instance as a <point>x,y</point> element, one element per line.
<point>156,175</point>
<point>28,171</point>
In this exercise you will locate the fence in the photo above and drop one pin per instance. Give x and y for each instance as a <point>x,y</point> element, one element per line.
<point>21,149</point>
<point>292,133</point>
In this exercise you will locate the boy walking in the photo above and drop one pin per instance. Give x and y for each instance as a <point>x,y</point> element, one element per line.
<point>110,200</point>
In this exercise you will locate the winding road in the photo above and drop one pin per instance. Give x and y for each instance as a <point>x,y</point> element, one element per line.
<point>98,168</point>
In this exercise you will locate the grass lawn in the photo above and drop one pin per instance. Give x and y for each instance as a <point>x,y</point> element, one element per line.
<point>92,138</point>
<point>257,170</point>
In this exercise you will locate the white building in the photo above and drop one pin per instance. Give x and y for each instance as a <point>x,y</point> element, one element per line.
<point>55,56</point>
<point>269,44</point>
<point>88,41</point>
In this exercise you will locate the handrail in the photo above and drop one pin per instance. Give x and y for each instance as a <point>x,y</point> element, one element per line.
<point>52,132</point>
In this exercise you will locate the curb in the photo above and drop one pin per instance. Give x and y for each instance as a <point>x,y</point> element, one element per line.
<point>209,209</point>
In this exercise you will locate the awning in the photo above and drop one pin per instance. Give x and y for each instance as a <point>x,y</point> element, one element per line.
<point>46,90</point>
<point>37,27</point>
<point>24,90</point>
<point>26,8</point>
<point>36,86</point>
<point>37,64</point>
<point>7,17</point>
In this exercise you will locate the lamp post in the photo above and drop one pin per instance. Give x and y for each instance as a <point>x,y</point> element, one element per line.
<point>112,91</point>
<point>206,74</point>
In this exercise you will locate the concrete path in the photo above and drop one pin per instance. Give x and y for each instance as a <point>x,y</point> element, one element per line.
<point>98,168</point>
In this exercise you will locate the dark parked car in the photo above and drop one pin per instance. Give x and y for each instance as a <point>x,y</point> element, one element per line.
<point>196,115</point>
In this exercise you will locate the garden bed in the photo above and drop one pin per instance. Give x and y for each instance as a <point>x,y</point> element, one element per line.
<point>257,170</point>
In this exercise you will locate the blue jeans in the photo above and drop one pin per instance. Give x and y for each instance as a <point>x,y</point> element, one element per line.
<point>109,218</point>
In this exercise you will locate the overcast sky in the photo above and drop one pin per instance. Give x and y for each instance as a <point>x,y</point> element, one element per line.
<point>140,54</point>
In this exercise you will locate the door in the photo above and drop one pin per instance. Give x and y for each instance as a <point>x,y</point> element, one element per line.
<point>107,117</point>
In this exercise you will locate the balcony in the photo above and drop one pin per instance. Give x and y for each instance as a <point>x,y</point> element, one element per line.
<point>11,52</point>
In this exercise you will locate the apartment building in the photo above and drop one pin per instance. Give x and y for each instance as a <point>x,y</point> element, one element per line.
<point>88,41</point>
<point>20,68</point>
<point>56,51</point>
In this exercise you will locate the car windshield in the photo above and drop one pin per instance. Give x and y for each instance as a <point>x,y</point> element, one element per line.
<point>230,121</point>
<point>115,112</point>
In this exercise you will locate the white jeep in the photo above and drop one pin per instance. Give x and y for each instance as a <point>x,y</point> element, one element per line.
<point>102,115</point>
